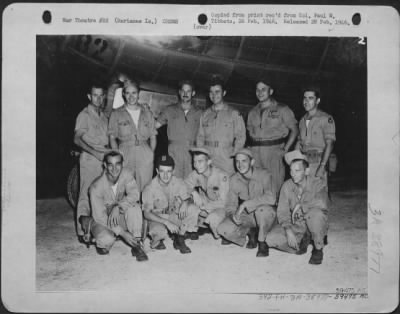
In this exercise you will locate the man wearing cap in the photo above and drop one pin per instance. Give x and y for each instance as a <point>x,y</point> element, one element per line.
<point>167,207</point>
<point>222,130</point>
<point>273,130</point>
<point>302,209</point>
<point>317,134</point>
<point>91,136</point>
<point>115,209</point>
<point>182,121</point>
<point>251,204</point>
<point>209,187</point>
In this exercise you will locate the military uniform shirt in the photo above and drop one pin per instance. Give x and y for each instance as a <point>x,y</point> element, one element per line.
<point>181,127</point>
<point>272,123</point>
<point>121,125</point>
<point>215,187</point>
<point>102,196</point>
<point>256,191</point>
<point>94,127</point>
<point>321,127</point>
<point>314,195</point>
<point>225,126</point>
<point>161,199</point>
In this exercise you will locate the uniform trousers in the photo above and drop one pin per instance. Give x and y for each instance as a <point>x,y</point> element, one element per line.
<point>271,159</point>
<point>131,221</point>
<point>315,221</point>
<point>89,169</point>
<point>263,218</point>
<point>139,159</point>
<point>159,231</point>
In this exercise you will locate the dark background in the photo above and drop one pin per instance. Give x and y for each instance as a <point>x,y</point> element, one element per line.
<point>67,64</point>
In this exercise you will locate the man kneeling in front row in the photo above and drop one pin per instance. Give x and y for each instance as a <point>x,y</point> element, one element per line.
<point>168,207</point>
<point>251,204</point>
<point>302,210</point>
<point>114,201</point>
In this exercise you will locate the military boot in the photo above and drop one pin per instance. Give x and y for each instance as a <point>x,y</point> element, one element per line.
<point>159,246</point>
<point>179,244</point>
<point>102,251</point>
<point>305,241</point>
<point>86,224</point>
<point>225,241</point>
<point>139,253</point>
<point>192,235</point>
<point>316,257</point>
<point>252,244</point>
<point>263,249</point>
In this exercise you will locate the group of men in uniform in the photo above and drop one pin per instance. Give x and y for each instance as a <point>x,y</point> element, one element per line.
<point>208,180</point>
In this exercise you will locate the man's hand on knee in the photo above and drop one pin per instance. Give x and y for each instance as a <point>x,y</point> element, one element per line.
<point>113,218</point>
<point>129,238</point>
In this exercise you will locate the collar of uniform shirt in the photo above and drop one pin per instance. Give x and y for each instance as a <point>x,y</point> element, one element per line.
<point>95,109</point>
<point>223,107</point>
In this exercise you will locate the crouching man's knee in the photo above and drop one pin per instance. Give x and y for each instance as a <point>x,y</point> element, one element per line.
<point>105,240</point>
<point>266,212</point>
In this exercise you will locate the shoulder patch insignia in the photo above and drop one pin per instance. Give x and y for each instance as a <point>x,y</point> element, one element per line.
<point>330,120</point>
<point>225,178</point>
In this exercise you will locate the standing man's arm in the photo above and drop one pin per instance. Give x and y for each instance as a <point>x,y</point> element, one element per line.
<point>162,118</point>
<point>85,146</point>
<point>329,131</point>
<point>290,121</point>
<point>200,134</point>
<point>113,130</point>
<point>239,130</point>
<point>81,129</point>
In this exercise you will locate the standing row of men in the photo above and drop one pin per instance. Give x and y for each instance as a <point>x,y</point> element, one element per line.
<point>231,204</point>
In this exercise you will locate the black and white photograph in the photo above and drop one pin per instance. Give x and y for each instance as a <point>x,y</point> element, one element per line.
<point>301,78</point>
<point>213,165</point>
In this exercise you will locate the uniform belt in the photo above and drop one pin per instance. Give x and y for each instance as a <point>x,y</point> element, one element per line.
<point>134,142</point>
<point>261,142</point>
<point>217,144</point>
<point>182,142</point>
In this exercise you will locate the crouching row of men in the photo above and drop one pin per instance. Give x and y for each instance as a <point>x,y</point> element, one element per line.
<point>231,207</point>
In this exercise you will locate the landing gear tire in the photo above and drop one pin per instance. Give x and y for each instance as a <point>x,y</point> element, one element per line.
<point>73,186</point>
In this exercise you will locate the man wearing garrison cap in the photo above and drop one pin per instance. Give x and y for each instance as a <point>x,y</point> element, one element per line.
<point>302,210</point>
<point>209,187</point>
<point>166,207</point>
<point>250,204</point>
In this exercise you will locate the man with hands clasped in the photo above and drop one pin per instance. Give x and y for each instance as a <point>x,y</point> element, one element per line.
<point>302,211</point>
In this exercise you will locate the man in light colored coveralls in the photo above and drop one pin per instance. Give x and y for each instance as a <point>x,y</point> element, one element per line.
<point>222,130</point>
<point>132,131</point>
<point>273,130</point>
<point>91,136</point>
<point>183,120</point>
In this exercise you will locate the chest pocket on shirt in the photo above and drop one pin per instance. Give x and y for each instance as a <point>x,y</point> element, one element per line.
<point>213,193</point>
<point>124,127</point>
<point>273,117</point>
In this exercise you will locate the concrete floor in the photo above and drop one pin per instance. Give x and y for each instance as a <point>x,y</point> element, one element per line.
<point>63,264</point>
